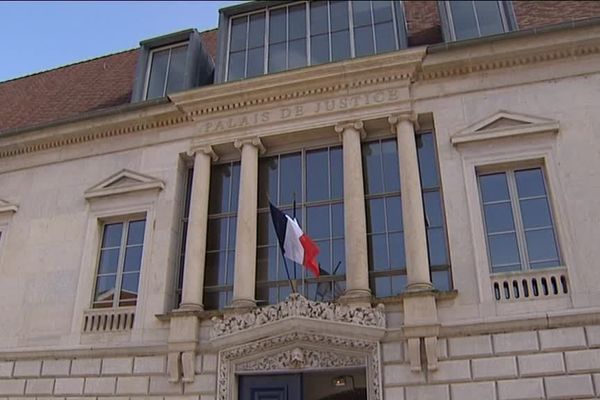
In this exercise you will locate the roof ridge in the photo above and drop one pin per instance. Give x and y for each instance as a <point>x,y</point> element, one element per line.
<point>68,65</point>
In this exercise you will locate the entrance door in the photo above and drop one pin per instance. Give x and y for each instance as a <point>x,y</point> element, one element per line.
<point>271,387</point>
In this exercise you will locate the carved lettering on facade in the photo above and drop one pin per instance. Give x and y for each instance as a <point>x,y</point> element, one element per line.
<point>297,306</point>
<point>301,110</point>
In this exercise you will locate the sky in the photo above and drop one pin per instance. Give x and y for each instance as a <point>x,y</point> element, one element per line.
<point>37,36</point>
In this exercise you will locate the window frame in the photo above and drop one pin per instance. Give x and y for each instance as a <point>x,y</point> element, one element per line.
<point>509,170</point>
<point>400,37</point>
<point>153,51</point>
<point>507,16</point>
<point>126,220</point>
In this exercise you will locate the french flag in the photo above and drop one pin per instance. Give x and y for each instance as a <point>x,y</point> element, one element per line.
<point>295,244</point>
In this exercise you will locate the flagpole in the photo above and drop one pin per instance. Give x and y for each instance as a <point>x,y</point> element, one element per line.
<point>294,215</point>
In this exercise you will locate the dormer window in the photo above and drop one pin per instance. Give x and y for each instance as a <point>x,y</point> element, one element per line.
<point>262,41</point>
<point>473,19</point>
<point>165,70</point>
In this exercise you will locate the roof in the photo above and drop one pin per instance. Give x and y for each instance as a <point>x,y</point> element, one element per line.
<point>64,92</point>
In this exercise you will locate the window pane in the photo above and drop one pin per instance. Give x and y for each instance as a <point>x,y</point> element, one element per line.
<point>397,255</point>
<point>232,231</point>
<point>319,49</point>
<point>372,164</point>
<point>216,236</point>
<point>105,288</point>
<point>340,45</point>
<point>256,33</point>
<point>493,187</point>
<point>277,26</point>
<point>535,213</point>
<point>297,20</point>
<point>176,69</point>
<point>230,268</point>
<point>400,21</point>
<point>437,247</point>
<point>504,251</point>
<point>463,18</point>
<point>267,181</point>
<point>158,74</point>
<point>488,15</point>
<point>382,11</point>
<point>339,15</point>
<point>112,235</point>
<point>136,232</point>
<point>441,280</point>
<point>391,170</point>
<point>266,233</point>
<point>318,17</point>
<point>317,177</point>
<point>216,268</point>
<point>220,184</point>
<point>133,258</point>
<point>530,183</point>
<point>109,261</point>
<point>277,56</point>
<point>318,222</point>
<point>378,257</point>
<point>129,286</point>
<point>398,284</point>
<point>339,257</point>
<point>363,40</point>
<point>433,209</point>
<point>361,13</point>
<point>383,286</point>
<point>237,65</point>
<point>385,37</point>
<point>541,245</point>
<point>238,34</point>
<point>394,213</point>
<point>235,186</point>
<point>375,216</point>
<point>297,53</point>
<point>324,258</point>
<point>256,62</point>
<point>427,160</point>
<point>337,220</point>
<point>498,217</point>
<point>337,173</point>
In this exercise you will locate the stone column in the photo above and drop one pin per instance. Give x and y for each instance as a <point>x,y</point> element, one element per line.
<point>415,238</point>
<point>244,281</point>
<point>355,224</point>
<point>195,245</point>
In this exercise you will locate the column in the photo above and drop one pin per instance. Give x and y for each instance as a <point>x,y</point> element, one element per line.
<point>415,238</point>
<point>244,280</point>
<point>355,224</point>
<point>195,245</point>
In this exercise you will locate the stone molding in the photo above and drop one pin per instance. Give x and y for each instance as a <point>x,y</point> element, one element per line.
<point>205,149</point>
<point>504,124</point>
<point>255,141</point>
<point>299,351</point>
<point>408,115</point>
<point>297,306</point>
<point>7,207</point>
<point>124,181</point>
<point>359,126</point>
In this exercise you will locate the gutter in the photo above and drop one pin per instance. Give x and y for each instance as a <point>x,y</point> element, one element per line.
<point>563,26</point>
<point>122,109</point>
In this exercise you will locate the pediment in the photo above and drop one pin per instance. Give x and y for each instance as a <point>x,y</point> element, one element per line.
<point>298,314</point>
<point>504,124</point>
<point>124,181</point>
<point>7,207</point>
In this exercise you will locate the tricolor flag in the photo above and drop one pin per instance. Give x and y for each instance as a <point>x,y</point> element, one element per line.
<point>295,244</point>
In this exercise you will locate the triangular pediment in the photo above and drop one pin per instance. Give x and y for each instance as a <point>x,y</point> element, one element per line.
<point>7,207</point>
<point>124,181</point>
<point>504,124</point>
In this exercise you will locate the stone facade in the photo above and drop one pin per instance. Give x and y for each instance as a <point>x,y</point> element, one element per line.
<point>526,99</point>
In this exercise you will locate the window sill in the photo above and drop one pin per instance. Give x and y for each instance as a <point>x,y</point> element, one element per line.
<point>530,285</point>
<point>103,320</point>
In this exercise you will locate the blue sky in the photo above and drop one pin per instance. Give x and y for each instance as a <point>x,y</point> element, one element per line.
<point>37,36</point>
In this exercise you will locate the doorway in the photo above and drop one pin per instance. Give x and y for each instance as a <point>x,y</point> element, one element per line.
<point>344,384</point>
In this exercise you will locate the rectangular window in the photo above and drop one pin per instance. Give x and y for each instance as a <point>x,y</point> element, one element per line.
<point>220,236</point>
<point>518,220</point>
<point>385,231</point>
<point>185,214</point>
<point>313,180</point>
<point>311,33</point>
<point>472,19</point>
<point>166,71</point>
<point>119,263</point>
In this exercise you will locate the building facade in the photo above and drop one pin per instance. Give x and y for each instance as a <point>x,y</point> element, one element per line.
<point>442,155</point>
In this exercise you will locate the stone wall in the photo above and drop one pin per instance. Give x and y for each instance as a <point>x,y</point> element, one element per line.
<point>562,363</point>
<point>99,378</point>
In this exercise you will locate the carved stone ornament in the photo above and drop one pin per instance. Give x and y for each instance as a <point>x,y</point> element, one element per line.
<point>299,351</point>
<point>297,306</point>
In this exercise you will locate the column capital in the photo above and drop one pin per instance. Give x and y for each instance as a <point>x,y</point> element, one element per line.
<point>255,141</point>
<point>398,117</point>
<point>357,125</point>
<point>206,149</point>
